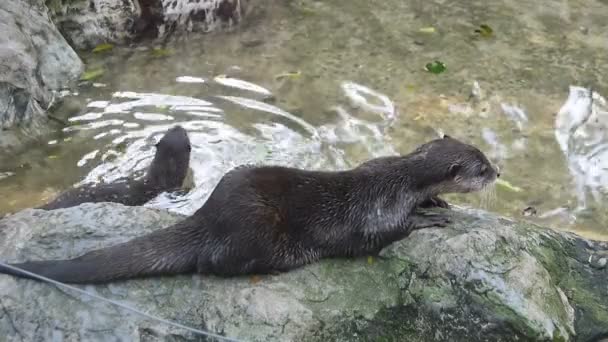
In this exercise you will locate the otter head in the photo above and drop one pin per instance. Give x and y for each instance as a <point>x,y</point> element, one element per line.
<point>450,166</point>
<point>171,161</point>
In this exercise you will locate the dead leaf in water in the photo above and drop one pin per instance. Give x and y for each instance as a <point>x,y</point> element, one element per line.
<point>255,279</point>
<point>103,47</point>
<point>92,74</point>
<point>289,74</point>
<point>427,30</point>
<point>484,31</point>
<point>418,117</point>
<point>160,52</point>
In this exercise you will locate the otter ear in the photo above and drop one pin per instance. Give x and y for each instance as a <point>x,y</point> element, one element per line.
<point>453,169</point>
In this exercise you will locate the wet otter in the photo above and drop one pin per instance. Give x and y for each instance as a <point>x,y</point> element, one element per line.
<point>271,219</point>
<point>166,173</point>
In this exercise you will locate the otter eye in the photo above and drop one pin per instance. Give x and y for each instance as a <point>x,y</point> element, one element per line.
<point>484,170</point>
<point>189,148</point>
<point>453,169</point>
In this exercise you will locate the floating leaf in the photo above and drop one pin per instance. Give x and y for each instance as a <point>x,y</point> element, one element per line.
<point>435,67</point>
<point>289,74</point>
<point>91,74</point>
<point>484,31</point>
<point>160,52</point>
<point>370,259</point>
<point>52,157</point>
<point>508,186</point>
<point>103,47</point>
<point>429,29</point>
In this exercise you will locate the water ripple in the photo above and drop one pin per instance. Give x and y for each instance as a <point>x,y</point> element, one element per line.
<point>581,132</point>
<point>138,121</point>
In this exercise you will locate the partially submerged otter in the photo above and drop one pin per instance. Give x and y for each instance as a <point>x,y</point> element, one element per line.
<point>166,173</point>
<point>271,219</point>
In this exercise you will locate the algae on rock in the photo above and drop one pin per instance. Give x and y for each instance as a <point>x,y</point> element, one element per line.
<point>484,278</point>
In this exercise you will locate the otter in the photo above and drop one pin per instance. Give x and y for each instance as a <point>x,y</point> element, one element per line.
<point>166,173</point>
<point>272,219</point>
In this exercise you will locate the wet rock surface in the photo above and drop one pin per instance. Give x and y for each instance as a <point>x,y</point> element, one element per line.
<point>484,278</point>
<point>86,24</point>
<point>35,61</point>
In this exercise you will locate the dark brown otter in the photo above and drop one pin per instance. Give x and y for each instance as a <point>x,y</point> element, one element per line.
<point>166,173</point>
<point>271,219</point>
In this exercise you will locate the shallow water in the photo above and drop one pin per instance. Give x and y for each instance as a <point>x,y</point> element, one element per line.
<point>326,85</point>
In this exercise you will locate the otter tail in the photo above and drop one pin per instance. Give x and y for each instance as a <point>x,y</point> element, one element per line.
<point>169,251</point>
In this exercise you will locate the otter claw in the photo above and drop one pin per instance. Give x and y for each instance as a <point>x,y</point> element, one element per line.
<point>428,221</point>
<point>434,202</point>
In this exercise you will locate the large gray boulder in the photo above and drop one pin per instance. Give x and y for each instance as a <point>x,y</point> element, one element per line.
<point>35,61</point>
<point>485,278</point>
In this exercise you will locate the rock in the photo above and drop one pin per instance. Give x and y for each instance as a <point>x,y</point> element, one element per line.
<point>600,263</point>
<point>35,60</point>
<point>484,278</point>
<point>86,24</point>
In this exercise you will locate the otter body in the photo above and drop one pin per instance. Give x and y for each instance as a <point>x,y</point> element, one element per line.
<point>271,219</point>
<point>166,173</point>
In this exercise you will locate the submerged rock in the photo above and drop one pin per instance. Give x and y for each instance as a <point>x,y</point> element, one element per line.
<point>484,278</point>
<point>35,60</point>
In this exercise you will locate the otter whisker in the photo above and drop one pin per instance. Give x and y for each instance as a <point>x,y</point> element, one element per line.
<point>488,196</point>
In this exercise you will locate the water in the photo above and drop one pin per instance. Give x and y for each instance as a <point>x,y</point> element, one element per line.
<point>327,85</point>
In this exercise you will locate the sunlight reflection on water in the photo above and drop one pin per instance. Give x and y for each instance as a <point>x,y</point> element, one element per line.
<point>581,132</point>
<point>140,119</point>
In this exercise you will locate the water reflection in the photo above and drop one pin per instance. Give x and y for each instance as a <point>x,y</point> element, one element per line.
<point>580,130</point>
<point>136,121</point>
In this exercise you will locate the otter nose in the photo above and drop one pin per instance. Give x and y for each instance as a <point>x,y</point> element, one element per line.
<point>497,169</point>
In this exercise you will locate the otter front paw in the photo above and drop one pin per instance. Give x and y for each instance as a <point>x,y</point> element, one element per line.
<point>434,202</point>
<point>426,220</point>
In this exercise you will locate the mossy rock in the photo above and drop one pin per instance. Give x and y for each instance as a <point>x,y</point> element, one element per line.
<point>484,278</point>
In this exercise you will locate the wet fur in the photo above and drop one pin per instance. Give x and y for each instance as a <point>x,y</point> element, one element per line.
<point>273,219</point>
<point>166,173</point>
